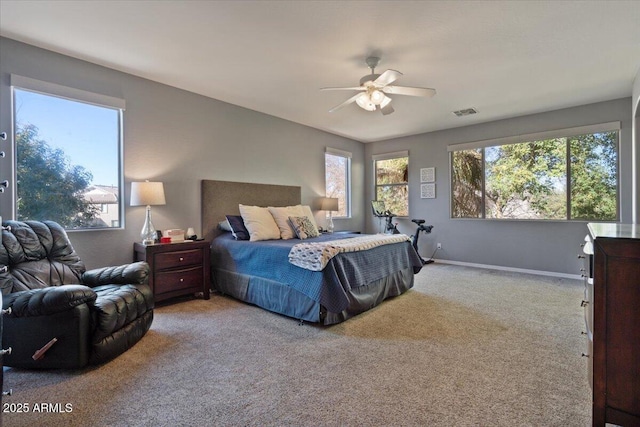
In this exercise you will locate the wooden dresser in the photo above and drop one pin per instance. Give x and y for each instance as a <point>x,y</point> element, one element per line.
<point>612,318</point>
<point>176,268</point>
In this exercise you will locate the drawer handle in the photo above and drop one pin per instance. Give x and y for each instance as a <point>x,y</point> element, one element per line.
<point>181,259</point>
<point>181,280</point>
<point>584,303</point>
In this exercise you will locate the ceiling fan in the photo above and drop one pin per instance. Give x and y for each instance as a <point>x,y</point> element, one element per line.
<point>374,87</point>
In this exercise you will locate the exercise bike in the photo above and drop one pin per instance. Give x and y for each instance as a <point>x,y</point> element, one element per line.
<point>426,229</point>
<point>392,228</point>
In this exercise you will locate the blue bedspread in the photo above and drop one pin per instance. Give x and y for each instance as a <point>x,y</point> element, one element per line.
<point>329,287</point>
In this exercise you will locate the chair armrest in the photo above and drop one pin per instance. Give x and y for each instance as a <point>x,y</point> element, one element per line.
<point>46,301</point>
<point>136,273</point>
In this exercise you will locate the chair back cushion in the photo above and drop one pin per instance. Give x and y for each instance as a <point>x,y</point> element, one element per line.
<point>37,255</point>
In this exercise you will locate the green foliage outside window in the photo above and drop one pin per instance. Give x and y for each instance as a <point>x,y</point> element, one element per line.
<point>594,176</point>
<point>48,186</point>
<point>531,180</point>
<point>392,188</point>
<point>466,183</point>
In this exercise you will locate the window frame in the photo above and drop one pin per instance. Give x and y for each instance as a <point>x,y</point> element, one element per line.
<point>347,155</point>
<point>568,134</point>
<point>389,156</point>
<point>27,84</point>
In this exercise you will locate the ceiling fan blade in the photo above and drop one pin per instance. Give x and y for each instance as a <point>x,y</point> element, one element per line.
<point>387,109</point>
<point>343,88</point>
<point>387,77</point>
<point>345,103</point>
<point>411,91</point>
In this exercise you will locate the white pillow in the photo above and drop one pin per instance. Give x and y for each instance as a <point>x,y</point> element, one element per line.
<point>259,223</point>
<point>281,216</point>
<point>307,212</point>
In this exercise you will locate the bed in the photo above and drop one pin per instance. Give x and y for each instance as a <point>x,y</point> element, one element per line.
<point>261,273</point>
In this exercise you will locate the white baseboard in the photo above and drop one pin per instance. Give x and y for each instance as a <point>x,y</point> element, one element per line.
<point>512,269</point>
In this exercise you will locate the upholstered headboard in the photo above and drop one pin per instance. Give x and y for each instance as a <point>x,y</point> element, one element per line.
<point>220,198</point>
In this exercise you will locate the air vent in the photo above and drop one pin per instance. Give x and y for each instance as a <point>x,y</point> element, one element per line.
<point>465,112</point>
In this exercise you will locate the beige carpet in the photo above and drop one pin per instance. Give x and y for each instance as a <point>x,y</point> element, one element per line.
<point>465,347</point>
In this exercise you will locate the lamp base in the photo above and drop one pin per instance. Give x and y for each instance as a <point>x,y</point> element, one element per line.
<point>330,224</point>
<point>148,233</point>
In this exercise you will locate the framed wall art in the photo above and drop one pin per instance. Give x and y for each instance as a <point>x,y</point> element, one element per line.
<point>427,174</point>
<point>428,191</point>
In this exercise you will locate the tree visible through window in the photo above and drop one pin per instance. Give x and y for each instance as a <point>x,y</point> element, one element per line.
<point>558,178</point>
<point>66,151</point>
<point>392,184</point>
<point>337,166</point>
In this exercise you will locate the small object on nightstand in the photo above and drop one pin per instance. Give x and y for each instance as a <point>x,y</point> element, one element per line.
<point>176,234</point>
<point>190,234</point>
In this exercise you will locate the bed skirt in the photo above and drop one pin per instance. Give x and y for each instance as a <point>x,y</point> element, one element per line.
<point>280,298</point>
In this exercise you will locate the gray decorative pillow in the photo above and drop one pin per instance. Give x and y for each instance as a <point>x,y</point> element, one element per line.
<point>303,227</point>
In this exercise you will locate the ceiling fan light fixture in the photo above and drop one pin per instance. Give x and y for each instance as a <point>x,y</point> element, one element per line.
<point>374,87</point>
<point>377,96</point>
<point>364,102</point>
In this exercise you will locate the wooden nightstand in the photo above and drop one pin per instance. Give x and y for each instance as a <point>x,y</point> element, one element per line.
<point>176,268</point>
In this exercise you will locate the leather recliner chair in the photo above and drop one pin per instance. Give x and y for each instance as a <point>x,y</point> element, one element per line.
<point>63,316</point>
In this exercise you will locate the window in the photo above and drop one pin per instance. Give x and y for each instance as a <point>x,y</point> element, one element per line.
<point>337,169</point>
<point>392,181</point>
<point>68,161</point>
<point>563,175</point>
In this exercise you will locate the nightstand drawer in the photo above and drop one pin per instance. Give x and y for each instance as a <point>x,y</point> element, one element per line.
<point>178,258</point>
<point>174,280</point>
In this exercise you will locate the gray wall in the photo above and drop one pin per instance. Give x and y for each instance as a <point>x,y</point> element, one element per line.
<point>179,138</point>
<point>546,246</point>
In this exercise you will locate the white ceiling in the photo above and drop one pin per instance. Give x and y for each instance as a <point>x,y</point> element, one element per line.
<point>505,58</point>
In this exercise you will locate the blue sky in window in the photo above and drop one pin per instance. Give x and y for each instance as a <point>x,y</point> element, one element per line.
<point>86,133</point>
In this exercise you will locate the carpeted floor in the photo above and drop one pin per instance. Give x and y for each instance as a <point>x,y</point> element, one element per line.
<point>465,347</point>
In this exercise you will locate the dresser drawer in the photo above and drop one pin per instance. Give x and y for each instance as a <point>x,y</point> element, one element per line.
<point>174,280</point>
<point>175,259</point>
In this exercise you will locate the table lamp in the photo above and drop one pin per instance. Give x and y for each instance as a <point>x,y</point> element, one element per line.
<point>329,204</point>
<point>147,193</point>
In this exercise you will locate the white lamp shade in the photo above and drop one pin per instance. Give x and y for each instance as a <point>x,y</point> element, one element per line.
<point>329,204</point>
<point>147,193</point>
